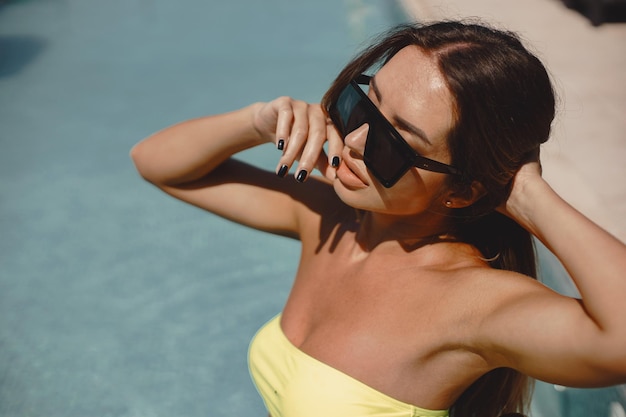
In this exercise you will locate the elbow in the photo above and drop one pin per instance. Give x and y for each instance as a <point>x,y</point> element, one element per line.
<point>140,160</point>
<point>137,155</point>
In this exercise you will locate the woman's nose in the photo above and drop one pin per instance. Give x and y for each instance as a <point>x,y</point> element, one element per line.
<point>356,139</point>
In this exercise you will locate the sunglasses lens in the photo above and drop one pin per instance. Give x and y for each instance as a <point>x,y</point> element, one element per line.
<point>383,155</point>
<point>349,111</point>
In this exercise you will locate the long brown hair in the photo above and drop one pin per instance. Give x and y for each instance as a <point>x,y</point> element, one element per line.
<point>504,105</point>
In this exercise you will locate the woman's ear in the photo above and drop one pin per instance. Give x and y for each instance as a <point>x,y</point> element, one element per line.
<point>465,196</point>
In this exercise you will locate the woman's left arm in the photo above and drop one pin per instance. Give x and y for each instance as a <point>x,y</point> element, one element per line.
<point>596,261</point>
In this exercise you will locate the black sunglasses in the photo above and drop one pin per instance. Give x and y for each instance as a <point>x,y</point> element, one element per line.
<point>386,155</point>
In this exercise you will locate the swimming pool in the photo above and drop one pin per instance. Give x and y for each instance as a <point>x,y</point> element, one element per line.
<point>114,299</point>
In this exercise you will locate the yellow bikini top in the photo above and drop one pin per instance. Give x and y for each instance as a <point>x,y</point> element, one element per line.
<point>294,384</point>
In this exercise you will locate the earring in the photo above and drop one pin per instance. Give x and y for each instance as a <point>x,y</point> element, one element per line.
<point>448,203</point>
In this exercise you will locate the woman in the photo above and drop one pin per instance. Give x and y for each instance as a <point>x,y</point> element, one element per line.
<point>415,294</point>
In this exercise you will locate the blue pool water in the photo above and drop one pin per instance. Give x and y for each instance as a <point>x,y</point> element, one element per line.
<point>116,300</point>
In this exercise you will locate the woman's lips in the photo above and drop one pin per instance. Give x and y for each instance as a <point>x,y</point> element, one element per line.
<point>349,175</point>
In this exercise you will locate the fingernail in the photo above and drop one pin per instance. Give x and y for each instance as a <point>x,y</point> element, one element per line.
<point>281,144</point>
<point>335,162</point>
<point>301,175</point>
<point>282,171</point>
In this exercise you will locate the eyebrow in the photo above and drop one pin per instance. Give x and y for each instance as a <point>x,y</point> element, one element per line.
<point>400,122</point>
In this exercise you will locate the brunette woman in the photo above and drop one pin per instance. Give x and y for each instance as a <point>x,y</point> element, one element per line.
<point>416,292</point>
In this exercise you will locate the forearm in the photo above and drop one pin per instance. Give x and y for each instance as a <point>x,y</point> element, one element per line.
<point>595,260</point>
<point>190,150</point>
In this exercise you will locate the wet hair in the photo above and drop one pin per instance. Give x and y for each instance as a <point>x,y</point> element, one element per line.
<point>503,107</point>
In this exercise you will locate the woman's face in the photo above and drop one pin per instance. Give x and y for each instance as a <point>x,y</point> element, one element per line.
<point>412,94</point>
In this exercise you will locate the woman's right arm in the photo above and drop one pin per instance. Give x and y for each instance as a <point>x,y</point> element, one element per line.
<point>191,161</point>
<point>187,151</point>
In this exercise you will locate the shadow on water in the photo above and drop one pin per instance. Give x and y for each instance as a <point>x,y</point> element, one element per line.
<point>16,52</point>
<point>599,12</point>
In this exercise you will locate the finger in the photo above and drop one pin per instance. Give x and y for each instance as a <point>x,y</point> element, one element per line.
<point>298,129</point>
<point>284,121</point>
<point>328,165</point>
<point>323,167</point>
<point>335,145</point>
<point>314,146</point>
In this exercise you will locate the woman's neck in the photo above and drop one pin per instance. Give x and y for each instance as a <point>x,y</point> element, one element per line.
<point>406,232</point>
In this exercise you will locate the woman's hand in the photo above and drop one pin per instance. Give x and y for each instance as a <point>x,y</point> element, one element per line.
<point>522,183</point>
<point>300,130</point>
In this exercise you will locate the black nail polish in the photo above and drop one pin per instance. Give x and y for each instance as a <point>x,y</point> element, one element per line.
<point>281,144</point>
<point>301,175</point>
<point>335,162</point>
<point>282,171</point>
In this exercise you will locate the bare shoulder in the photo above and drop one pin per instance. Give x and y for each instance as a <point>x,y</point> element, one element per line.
<point>472,283</point>
<point>491,301</point>
<point>495,293</point>
<point>500,285</point>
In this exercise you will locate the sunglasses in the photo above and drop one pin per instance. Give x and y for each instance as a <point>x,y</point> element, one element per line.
<point>386,155</point>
